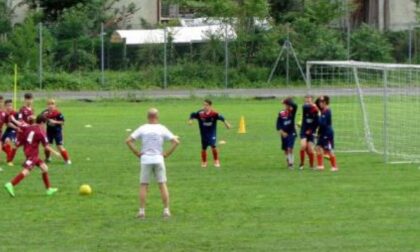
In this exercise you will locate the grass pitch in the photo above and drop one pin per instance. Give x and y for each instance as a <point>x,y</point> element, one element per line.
<point>252,204</point>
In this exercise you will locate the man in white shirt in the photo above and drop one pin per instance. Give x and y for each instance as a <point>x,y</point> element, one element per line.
<point>152,136</point>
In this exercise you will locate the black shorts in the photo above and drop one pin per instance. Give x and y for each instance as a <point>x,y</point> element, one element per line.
<point>56,137</point>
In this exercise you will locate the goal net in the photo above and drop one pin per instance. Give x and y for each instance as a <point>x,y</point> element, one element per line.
<point>376,107</point>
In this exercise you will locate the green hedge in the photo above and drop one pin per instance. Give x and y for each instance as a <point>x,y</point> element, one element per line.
<point>179,76</point>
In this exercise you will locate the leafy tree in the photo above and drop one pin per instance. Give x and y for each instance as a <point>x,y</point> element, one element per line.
<point>368,44</point>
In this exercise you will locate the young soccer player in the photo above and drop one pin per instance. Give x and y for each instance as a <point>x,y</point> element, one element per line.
<point>207,122</point>
<point>286,128</point>
<point>9,136</point>
<point>26,110</point>
<point>2,122</point>
<point>325,144</point>
<point>30,138</point>
<point>55,122</point>
<point>308,130</point>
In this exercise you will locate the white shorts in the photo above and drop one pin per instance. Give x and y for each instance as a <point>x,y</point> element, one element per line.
<point>147,170</point>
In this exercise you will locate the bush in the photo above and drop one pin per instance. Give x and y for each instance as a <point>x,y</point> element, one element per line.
<point>368,44</point>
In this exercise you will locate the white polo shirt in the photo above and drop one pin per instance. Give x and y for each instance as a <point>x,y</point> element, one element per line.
<point>152,137</point>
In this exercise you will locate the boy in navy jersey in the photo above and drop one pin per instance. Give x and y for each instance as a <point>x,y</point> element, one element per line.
<point>286,127</point>
<point>325,144</point>
<point>207,122</point>
<point>308,130</point>
<point>55,122</point>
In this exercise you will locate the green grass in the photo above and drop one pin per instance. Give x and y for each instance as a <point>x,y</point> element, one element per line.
<point>252,204</point>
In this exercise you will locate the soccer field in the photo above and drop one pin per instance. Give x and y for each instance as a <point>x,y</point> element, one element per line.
<point>253,203</point>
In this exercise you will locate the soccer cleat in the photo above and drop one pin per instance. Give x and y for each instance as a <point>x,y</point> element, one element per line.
<point>166,214</point>
<point>217,163</point>
<point>48,160</point>
<point>51,191</point>
<point>141,215</point>
<point>9,188</point>
<point>203,164</point>
<point>68,162</point>
<point>320,168</point>
<point>334,169</point>
<point>290,166</point>
<point>1,169</point>
<point>301,167</point>
<point>10,164</point>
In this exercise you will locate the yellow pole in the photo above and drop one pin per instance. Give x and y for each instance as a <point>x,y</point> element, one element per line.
<point>15,87</point>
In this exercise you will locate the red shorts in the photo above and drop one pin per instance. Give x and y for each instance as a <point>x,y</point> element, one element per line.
<point>31,162</point>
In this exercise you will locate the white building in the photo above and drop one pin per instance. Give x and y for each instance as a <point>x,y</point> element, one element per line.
<point>385,14</point>
<point>149,11</point>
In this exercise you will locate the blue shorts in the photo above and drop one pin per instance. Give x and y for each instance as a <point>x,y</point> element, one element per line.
<point>326,142</point>
<point>288,142</point>
<point>209,141</point>
<point>9,134</point>
<point>309,137</point>
<point>56,137</point>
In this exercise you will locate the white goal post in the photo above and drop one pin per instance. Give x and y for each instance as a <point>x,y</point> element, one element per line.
<point>376,106</point>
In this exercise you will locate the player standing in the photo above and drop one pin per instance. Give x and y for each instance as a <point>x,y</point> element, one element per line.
<point>286,127</point>
<point>207,122</point>
<point>152,136</point>
<point>325,143</point>
<point>26,110</point>
<point>30,138</point>
<point>9,137</point>
<point>55,130</point>
<point>308,130</point>
<point>2,121</point>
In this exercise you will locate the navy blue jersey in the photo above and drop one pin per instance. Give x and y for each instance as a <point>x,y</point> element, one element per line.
<point>54,115</point>
<point>325,123</point>
<point>286,119</point>
<point>310,118</point>
<point>207,122</point>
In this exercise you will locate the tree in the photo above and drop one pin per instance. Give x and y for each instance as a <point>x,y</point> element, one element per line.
<point>368,44</point>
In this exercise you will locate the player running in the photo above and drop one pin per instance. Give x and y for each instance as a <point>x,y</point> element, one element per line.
<point>325,144</point>
<point>55,130</point>
<point>30,138</point>
<point>9,137</point>
<point>286,127</point>
<point>308,130</point>
<point>207,122</point>
<point>152,136</point>
<point>2,122</point>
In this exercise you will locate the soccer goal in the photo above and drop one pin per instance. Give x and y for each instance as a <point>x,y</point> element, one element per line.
<point>376,107</point>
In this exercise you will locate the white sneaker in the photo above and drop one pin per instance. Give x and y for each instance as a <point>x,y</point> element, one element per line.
<point>1,169</point>
<point>166,213</point>
<point>141,215</point>
<point>68,162</point>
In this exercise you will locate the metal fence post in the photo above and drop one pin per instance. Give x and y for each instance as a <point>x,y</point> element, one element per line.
<point>40,64</point>
<point>226,57</point>
<point>102,56</point>
<point>165,58</point>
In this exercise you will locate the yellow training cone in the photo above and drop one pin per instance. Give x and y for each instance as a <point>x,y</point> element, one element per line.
<point>242,126</point>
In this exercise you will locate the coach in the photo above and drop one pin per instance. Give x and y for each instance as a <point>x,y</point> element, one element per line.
<point>152,136</point>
